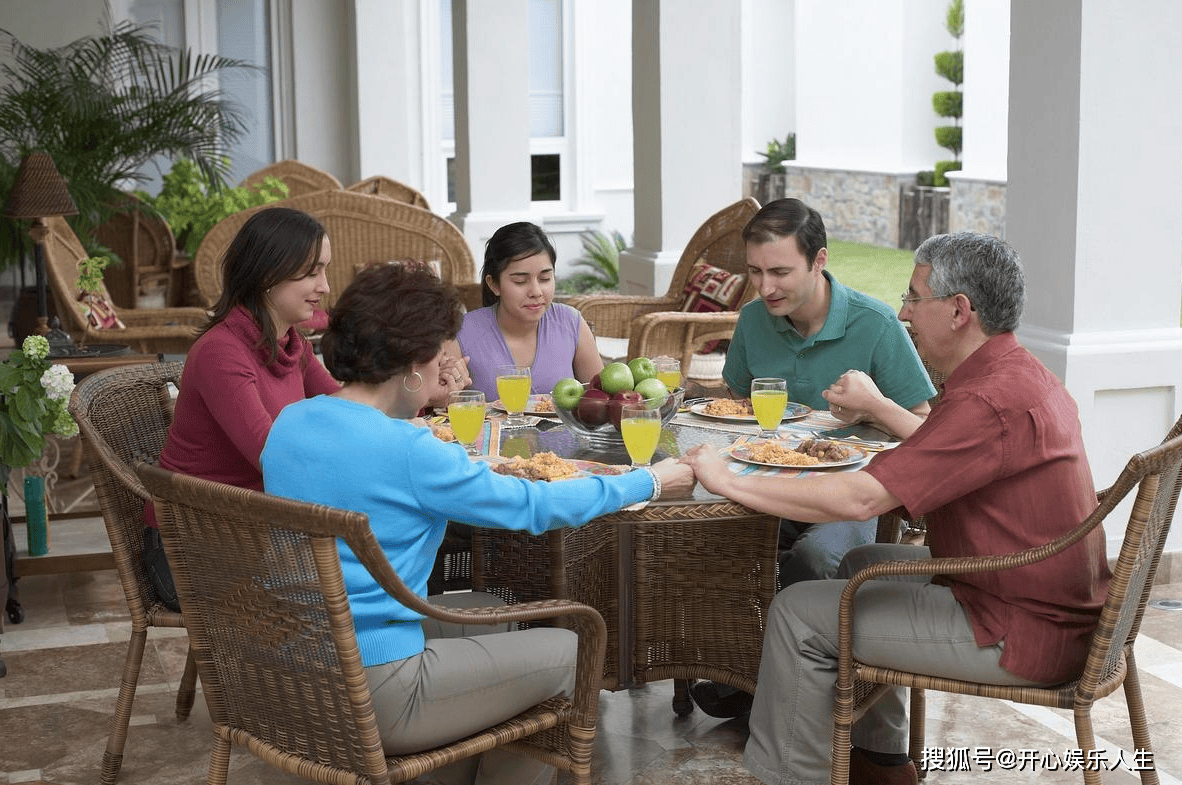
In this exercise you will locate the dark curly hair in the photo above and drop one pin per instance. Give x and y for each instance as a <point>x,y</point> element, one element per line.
<point>390,317</point>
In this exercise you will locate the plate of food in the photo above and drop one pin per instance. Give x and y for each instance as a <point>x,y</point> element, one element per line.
<point>540,405</point>
<point>804,454</point>
<point>548,466</point>
<point>739,410</point>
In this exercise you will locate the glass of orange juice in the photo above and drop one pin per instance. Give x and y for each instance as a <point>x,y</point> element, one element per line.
<point>465,411</point>
<point>513,385</point>
<point>768,398</point>
<point>668,371</point>
<point>641,428</point>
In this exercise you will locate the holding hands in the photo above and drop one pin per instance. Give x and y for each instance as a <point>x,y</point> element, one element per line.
<point>453,373</point>
<point>677,479</point>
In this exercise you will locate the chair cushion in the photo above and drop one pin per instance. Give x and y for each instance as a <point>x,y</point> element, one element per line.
<point>98,309</point>
<point>711,289</point>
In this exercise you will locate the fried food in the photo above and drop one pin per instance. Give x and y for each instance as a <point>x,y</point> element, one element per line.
<point>443,433</point>
<point>827,451</point>
<point>543,466</point>
<point>774,452</point>
<point>729,407</point>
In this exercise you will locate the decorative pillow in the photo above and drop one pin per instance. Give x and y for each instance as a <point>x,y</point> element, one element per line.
<point>98,310</point>
<point>434,265</point>
<point>711,289</point>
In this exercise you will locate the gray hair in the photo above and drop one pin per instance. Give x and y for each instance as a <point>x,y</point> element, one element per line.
<point>981,267</point>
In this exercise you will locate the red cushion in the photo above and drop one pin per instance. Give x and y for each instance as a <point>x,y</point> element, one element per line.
<point>99,311</point>
<point>711,289</point>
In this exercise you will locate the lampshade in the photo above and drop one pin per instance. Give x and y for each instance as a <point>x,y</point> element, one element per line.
<point>39,191</point>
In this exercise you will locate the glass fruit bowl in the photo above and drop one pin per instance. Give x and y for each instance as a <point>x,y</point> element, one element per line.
<point>591,420</point>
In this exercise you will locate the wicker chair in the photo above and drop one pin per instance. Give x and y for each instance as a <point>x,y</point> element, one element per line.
<point>657,325</point>
<point>1157,475</point>
<point>147,248</point>
<point>299,178</point>
<point>124,414</point>
<point>362,229</point>
<point>260,581</point>
<point>379,185</point>
<point>147,330</point>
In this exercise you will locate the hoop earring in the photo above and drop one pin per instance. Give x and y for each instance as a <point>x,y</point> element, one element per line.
<point>415,390</point>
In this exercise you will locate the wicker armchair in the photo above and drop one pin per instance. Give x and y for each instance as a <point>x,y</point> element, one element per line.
<point>260,581</point>
<point>362,228</point>
<point>147,330</point>
<point>379,185</point>
<point>148,250</point>
<point>124,414</point>
<point>299,178</point>
<point>657,325</point>
<point>1157,475</point>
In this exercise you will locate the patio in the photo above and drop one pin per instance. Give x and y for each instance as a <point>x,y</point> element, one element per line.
<point>64,664</point>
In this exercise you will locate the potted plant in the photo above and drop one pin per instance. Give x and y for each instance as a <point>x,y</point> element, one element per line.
<point>104,107</point>
<point>772,181</point>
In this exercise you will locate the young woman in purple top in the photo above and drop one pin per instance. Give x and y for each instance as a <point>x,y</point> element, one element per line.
<point>520,324</point>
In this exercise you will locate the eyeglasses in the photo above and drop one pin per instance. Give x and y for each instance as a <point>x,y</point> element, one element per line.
<point>912,300</point>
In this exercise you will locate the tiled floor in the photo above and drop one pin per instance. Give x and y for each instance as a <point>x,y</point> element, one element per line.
<point>65,660</point>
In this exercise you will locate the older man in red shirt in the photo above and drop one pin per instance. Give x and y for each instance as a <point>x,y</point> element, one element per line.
<point>998,466</point>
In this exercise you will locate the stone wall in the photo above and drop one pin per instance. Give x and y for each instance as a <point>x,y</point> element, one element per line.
<point>864,207</point>
<point>977,205</point>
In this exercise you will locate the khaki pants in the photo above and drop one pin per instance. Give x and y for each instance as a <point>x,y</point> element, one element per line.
<point>467,679</point>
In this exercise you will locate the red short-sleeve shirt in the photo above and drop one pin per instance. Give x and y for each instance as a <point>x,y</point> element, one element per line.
<point>998,467</point>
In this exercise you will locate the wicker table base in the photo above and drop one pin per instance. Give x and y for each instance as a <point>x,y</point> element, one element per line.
<point>683,585</point>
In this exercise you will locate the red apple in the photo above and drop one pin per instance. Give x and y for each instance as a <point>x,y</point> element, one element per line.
<point>596,384</point>
<point>592,408</point>
<point>615,406</point>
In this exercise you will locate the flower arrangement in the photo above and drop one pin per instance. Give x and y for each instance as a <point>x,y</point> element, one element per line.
<point>33,398</point>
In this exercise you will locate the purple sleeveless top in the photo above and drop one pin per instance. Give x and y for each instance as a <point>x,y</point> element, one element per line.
<point>482,342</point>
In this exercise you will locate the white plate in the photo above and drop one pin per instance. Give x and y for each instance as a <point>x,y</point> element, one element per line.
<point>742,452</point>
<point>792,411</point>
<point>585,468</point>
<point>531,407</point>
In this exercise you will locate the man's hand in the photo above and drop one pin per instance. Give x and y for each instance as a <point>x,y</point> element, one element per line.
<point>854,397</point>
<point>709,467</point>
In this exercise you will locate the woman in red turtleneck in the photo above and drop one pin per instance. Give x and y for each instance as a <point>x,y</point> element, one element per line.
<point>249,362</point>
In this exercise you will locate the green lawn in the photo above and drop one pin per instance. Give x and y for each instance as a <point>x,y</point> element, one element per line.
<point>878,272</point>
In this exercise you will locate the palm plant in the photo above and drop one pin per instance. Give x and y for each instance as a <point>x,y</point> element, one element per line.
<point>601,254</point>
<point>104,107</point>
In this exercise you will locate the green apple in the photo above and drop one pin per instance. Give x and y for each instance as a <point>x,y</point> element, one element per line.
<point>653,391</point>
<point>566,393</point>
<point>642,368</point>
<point>616,377</point>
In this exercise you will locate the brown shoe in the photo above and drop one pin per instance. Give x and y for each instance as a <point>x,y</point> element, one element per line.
<point>865,772</point>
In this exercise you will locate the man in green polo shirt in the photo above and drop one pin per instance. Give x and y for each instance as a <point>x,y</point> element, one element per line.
<point>809,329</point>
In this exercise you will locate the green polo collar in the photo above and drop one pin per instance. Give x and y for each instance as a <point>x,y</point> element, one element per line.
<point>835,320</point>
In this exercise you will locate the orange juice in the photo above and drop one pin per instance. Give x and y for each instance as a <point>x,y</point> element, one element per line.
<point>641,435</point>
<point>514,392</point>
<point>466,420</point>
<point>769,407</point>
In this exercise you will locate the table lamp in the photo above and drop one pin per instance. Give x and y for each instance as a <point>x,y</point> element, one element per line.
<point>37,193</point>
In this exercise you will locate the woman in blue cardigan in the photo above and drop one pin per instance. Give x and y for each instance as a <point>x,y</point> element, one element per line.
<point>358,449</point>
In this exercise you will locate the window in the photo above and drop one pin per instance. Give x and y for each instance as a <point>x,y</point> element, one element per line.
<point>547,100</point>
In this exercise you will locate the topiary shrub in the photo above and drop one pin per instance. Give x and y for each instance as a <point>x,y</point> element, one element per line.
<point>950,103</point>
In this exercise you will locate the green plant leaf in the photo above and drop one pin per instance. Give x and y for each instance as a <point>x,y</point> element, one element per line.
<point>950,65</point>
<point>948,103</point>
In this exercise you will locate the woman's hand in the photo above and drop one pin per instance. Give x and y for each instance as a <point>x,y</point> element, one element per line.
<point>854,397</point>
<point>709,468</point>
<point>677,479</point>
<point>453,375</point>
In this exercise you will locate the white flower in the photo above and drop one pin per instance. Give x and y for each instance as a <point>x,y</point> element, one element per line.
<point>35,347</point>
<point>58,382</point>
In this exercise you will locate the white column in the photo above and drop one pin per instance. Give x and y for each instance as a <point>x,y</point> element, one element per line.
<point>864,83</point>
<point>491,78</point>
<point>390,90</point>
<point>986,89</point>
<point>1095,211</point>
<point>686,129</point>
